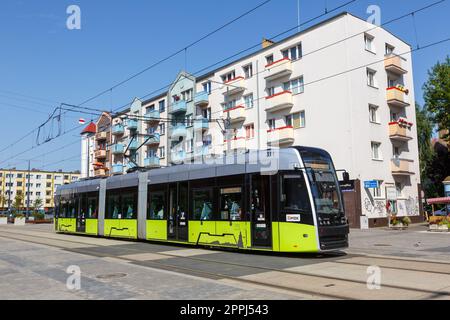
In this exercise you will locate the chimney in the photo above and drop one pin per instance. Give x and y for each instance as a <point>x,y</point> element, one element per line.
<point>267,43</point>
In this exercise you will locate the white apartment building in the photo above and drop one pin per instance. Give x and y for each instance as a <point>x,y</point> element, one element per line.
<point>343,85</point>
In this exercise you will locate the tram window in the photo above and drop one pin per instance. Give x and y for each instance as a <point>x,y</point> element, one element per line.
<point>73,207</point>
<point>157,206</point>
<point>82,200</point>
<point>92,208</point>
<point>128,206</point>
<point>231,204</point>
<point>114,211</point>
<point>202,204</point>
<point>295,194</point>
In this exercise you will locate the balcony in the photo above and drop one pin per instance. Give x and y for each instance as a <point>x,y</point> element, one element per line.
<point>236,114</point>
<point>397,97</point>
<point>201,124</point>
<point>400,130</point>
<point>278,69</point>
<point>234,86</point>
<point>235,144</point>
<point>153,116</point>
<point>100,154</point>
<point>279,101</point>
<point>394,64</point>
<point>118,148</point>
<point>132,124</point>
<point>280,136</point>
<point>401,167</point>
<point>151,162</point>
<point>100,172</point>
<point>179,131</point>
<point>153,139</point>
<point>202,99</point>
<point>101,136</point>
<point>132,144</point>
<point>117,168</point>
<point>178,107</point>
<point>118,129</point>
<point>178,156</point>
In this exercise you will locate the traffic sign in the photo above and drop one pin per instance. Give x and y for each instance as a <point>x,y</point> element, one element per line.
<point>372,184</point>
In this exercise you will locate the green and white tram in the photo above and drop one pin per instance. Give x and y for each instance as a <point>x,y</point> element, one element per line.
<point>285,200</point>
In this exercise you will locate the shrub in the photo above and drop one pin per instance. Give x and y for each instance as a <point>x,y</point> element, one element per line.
<point>406,221</point>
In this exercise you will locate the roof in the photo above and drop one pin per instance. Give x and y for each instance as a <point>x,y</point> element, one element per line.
<point>91,128</point>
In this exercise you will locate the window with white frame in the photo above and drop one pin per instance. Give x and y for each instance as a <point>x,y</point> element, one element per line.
<point>162,106</point>
<point>162,129</point>
<point>162,152</point>
<point>399,189</point>
<point>270,91</point>
<point>371,80</point>
<point>187,95</point>
<point>373,113</point>
<point>389,49</point>
<point>298,120</point>
<point>229,105</point>
<point>369,42</point>
<point>271,123</point>
<point>288,120</point>
<point>295,86</point>
<point>269,59</point>
<point>189,121</point>
<point>376,151</point>
<point>248,71</point>
<point>229,76</point>
<point>250,131</point>
<point>207,87</point>
<point>376,192</point>
<point>294,52</point>
<point>248,100</point>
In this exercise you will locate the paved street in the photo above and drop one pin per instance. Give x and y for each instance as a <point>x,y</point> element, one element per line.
<point>33,263</point>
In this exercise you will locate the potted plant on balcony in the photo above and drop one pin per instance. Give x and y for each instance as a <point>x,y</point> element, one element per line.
<point>402,88</point>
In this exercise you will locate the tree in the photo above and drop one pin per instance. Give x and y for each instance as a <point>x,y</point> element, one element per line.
<point>37,204</point>
<point>2,200</point>
<point>424,135</point>
<point>18,201</point>
<point>437,94</point>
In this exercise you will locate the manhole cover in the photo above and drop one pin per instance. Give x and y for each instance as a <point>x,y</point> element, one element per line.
<point>111,276</point>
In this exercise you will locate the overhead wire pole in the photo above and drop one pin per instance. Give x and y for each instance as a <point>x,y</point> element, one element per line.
<point>28,189</point>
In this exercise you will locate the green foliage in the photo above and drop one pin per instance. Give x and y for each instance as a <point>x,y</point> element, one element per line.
<point>437,93</point>
<point>406,221</point>
<point>38,216</point>
<point>18,201</point>
<point>424,135</point>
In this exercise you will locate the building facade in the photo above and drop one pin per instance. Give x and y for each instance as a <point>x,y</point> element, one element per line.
<point>342,85</point>
<point>32,185</point>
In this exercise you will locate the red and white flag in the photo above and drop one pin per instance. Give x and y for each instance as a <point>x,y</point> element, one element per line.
<point>81,121</point>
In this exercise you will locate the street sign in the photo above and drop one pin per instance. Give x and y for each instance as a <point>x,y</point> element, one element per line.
<point>372,184</point>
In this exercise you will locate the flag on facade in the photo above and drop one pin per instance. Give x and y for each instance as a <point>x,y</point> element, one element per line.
<point>81,121</point>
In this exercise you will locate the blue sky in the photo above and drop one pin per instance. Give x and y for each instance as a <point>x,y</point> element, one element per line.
<point>41,58</point>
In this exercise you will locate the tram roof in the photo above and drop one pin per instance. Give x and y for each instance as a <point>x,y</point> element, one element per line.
<point>250,162</point>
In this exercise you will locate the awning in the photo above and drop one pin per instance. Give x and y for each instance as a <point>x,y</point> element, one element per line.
<point>445,200</point>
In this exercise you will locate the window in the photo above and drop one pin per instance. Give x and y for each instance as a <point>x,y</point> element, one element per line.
<point>162,153</point>
<point>293,53</point>
<point>295,86</point>
<point>189,121</point>
<point>389,49</point>
<point>299,120</point>
<point>250,131</point>
<point>38,194</point>
<point>376,151</point>
<point>229,76</point>
<point>368,40</point>
<point>248,99</point>
<point>294,193</point>
<point>269,59</point>
<point>271,123</point>
<point>248,71</point>
<point>229,105</point>
<point>49,176</point>
<point>202,204</point>
<point>38,185</point>
<point>29,185</point>
<point>376,192</point>
<point>19,176</point>
<point>207,87</point>
<point>66,177</point>
<point>38,176</point>
<point>162,129</point>
<point>121,206</point>
<point>231,204</point>
<point>162,106</point>
<point>396,151</point>
<point>371,81</point>
<point>288,120</point>
<point>373,113</point>
<point>48,193</point>
<point>270,91</point>
<point>187,95</point>
<point>156,206</point>
<point>399,189</point>
<point>19,184</point>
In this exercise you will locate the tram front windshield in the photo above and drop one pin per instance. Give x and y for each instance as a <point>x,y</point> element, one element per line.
<point>324,185</point>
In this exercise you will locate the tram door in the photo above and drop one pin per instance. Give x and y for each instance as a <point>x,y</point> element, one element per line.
<point>260,211</point>
<point>81,216</point>
<point>177,224</point>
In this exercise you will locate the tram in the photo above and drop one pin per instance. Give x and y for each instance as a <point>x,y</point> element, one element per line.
<point>284,200</point>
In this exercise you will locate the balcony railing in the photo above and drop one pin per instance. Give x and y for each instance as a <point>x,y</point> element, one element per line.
<point>118,148</point>
<point>278,69</point>
<point>100,154</point>
<point>153,139</point>
<point>117,168</point>
<point>152,162</point>
<point>234,86</point>
<point>280,136</point>
<point>397,97</point>
<point>100,172</point>
<point>178,156</point>
<point>178,107</point>
<point>178,131</point>
<point>132,124</point>
<point>153,116</point>
<point>202,99</point>
<point>401,167</point>
<point>118,129</point>
<point>400,130</point>
<point>238,143</point>
<point>236,114</point>
<point>279,101</point>
<point>394,64</point>
<point>132,144</point>
<point>201,124</point>
<point>101,136</point>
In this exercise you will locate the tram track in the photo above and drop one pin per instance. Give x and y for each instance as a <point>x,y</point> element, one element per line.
<point>166,265</point>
